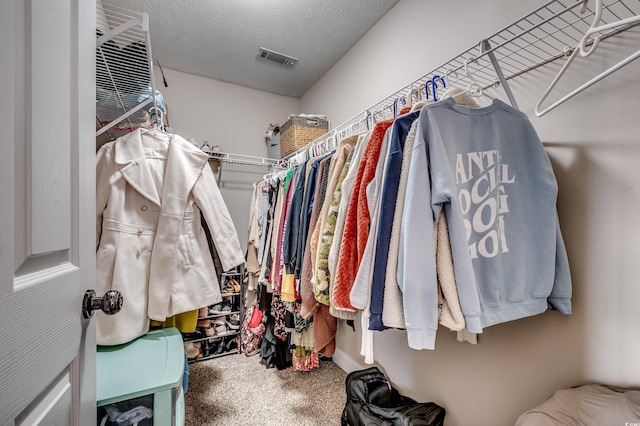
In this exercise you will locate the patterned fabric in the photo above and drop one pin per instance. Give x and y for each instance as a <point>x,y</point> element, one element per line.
<point>278,312</point>
<point>330,215</point>
<point>356,227</point>
<point>301,324</point>
<point>305,359</point>
<point>315,230</point>
<point>324,182</point>
<point>250,337</point>
<point>304,354</point>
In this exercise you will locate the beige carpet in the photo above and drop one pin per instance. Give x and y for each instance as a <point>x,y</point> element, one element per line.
<point>238,390</point>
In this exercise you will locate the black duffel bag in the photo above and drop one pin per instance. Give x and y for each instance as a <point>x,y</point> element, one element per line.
<point>371,400</point>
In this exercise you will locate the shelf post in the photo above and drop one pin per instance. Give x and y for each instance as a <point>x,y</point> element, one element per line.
<point>485,47</point>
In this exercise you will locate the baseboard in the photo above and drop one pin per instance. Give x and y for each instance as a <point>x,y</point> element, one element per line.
<point>345,362</point>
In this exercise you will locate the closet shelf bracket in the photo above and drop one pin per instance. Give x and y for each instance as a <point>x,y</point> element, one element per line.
<point>485,47</point>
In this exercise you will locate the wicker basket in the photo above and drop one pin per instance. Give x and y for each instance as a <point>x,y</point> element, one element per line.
<point>299,131</point>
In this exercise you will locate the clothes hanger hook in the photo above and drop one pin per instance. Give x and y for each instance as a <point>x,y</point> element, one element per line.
<point>584,52</point>
<point>474,89</point>
<point>447,73</point>
<point>434,86</point>
<point>396,107</point>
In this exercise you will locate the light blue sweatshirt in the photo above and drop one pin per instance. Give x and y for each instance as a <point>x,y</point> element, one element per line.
<point>487,168</point>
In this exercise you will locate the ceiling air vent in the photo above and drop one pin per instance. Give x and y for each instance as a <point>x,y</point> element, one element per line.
<point>276,57</point>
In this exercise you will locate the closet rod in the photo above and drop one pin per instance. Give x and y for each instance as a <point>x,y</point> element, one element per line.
<point>244,159</point>
<point>540,37</point>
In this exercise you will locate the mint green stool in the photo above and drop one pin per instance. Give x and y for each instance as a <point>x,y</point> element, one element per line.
<point>151,365</point>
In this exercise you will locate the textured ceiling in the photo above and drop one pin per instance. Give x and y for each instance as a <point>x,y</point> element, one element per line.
<point>219,39</point>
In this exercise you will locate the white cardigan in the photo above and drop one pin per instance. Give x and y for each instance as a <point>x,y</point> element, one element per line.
<point>151,188</point>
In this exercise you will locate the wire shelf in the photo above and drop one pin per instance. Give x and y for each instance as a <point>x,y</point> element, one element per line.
<point>125,84</point>
<point>243,159</point>
<point>546,34</point>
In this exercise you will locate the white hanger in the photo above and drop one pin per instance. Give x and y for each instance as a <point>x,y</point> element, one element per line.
<point>447,77</point>
<point>473,89</point>
<point>409,95</point>
<point>389,107</point>
<point>377,116</point>
<point>582,49</point>
<point>396,105</point>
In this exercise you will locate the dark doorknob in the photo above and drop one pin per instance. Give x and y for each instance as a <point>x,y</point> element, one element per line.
<point>110,303</point>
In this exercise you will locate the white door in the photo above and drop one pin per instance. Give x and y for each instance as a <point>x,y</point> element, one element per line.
<point>47,225</point>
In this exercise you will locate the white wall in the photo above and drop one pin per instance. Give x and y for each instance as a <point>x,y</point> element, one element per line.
<point>593,142</point>
<point>234,118</point>
<point>230,116</point>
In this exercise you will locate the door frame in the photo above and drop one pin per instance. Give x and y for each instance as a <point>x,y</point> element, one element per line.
<point>83,136</point>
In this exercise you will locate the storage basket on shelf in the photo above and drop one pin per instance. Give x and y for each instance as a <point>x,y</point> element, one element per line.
<point>299,131</point>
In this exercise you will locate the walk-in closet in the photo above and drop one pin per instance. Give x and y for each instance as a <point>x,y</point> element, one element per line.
<point>319,212</point>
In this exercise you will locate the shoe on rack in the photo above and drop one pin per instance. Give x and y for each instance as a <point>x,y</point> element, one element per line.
<point>221,329</point>
<point>233,321</point>
<point>191,350</point>
<point>215,309</point>
<point>221,347</point>
<point>219,320</point>
<point>203,312</point>
<point>198,345</point>
<point>206,349</point>
<point>226,306</point>
<point>204,323</point>
<point>232,287</point>
<point>231,344</point>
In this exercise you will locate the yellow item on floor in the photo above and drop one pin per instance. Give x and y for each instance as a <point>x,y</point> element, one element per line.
<point>185,322</point>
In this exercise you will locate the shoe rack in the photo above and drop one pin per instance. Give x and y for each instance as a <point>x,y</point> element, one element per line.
<point>218,330</point>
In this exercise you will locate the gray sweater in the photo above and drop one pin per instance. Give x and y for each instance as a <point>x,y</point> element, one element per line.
<point>488,170</point>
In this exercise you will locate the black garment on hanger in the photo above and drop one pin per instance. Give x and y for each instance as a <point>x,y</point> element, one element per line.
<point>284,359</point>
<point>268,343</point>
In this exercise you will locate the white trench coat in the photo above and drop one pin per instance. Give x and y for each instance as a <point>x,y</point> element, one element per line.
<point>151,246</point>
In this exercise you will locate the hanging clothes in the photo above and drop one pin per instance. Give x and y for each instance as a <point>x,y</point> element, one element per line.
<point>151,189</point>
<point>290,249</point>
<point>253,240</point>
<point>330,211</point>
<point>265,268</point>
<point>345,196</point>
<point>393,311</point>
<point>312,167</point>
<point>356,227</point>
<point>421,222</point>
<point>309,302</point>
<point>401,127</point>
